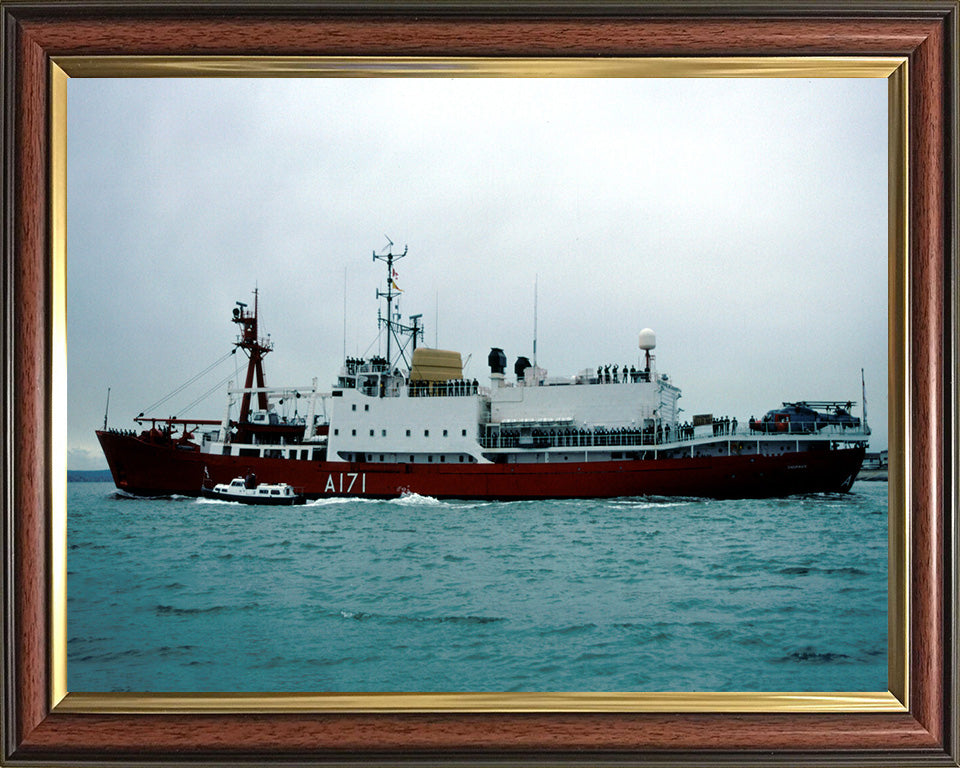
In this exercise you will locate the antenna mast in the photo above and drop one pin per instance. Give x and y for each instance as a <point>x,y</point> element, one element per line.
<point>392,291</point>
<point>536,280</point>
<point>863,388</point>
<point>106,410</point>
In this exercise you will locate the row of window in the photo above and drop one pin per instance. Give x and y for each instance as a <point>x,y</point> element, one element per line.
<point>383,432</point>
<point>414,458</point>
<point>270,453</point>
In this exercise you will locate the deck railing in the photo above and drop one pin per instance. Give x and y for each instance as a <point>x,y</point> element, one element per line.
<point>459,388</point>
<point>590,438</point>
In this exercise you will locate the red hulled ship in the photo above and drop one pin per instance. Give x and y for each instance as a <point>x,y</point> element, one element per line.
<point>410,422</point>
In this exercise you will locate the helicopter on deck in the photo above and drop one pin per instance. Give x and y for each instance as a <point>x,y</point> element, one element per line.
<point>807,416</point>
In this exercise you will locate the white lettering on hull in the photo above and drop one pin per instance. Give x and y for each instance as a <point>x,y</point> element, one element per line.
<point>332,487</point>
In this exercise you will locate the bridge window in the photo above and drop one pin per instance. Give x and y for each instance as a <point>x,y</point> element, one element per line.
<point>463,433</point>
<point>353,433</point>
<point>426,433</point>
<point>408,433</point>
<point>371,433</point>
<point>383,433</point>
<point>444,433</point>
<point>366,407</point>
<point>353,407</point>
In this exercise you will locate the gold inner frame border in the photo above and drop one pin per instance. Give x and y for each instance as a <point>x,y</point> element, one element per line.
<point>893,69</point>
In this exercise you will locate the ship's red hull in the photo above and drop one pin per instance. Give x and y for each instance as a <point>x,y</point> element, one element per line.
<point>145,468</point>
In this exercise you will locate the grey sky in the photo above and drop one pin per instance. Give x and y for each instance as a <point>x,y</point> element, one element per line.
<point>743,220</point>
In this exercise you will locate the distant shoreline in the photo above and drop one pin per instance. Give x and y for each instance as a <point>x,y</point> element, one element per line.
<point>873,474</point>
<point>88,475</point>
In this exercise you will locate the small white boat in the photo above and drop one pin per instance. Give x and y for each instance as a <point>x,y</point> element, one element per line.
<point>248,491</point>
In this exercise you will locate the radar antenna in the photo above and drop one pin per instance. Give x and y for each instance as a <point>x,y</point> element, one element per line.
<point>388,247</point>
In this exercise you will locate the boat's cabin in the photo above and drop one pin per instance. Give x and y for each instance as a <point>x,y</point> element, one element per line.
<point>240,485</point>
<point>283,490</point>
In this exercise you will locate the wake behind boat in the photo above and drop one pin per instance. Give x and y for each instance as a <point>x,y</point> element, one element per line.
<point>411,422</point>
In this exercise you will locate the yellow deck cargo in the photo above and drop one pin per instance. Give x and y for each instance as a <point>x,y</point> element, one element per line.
<point>436,365</point>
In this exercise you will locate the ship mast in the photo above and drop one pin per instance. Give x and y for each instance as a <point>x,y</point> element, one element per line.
<point>255,348</point>
<point>535,285</point>
<point>389,258</point>
<point>394,327</point>
<point>863,389</point>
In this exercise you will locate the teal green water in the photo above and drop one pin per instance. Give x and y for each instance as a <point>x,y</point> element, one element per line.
<point>415,594</point>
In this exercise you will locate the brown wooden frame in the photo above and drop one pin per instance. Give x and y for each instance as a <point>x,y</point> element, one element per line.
<point>925,32</point>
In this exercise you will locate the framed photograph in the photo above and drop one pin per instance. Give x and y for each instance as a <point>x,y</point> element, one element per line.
<point>809,150</point>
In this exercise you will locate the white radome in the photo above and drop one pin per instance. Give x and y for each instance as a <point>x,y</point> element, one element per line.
<point>648,339</point>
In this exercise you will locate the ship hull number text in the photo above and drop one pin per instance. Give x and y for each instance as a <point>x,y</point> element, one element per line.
<point>346,482</point>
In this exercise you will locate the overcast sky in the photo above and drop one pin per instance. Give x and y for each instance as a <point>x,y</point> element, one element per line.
<point>743,220</point>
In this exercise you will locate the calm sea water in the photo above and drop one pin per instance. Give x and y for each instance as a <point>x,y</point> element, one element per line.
<point>415,594</point>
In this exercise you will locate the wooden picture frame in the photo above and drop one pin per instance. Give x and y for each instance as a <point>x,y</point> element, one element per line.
<point>38,730</point>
